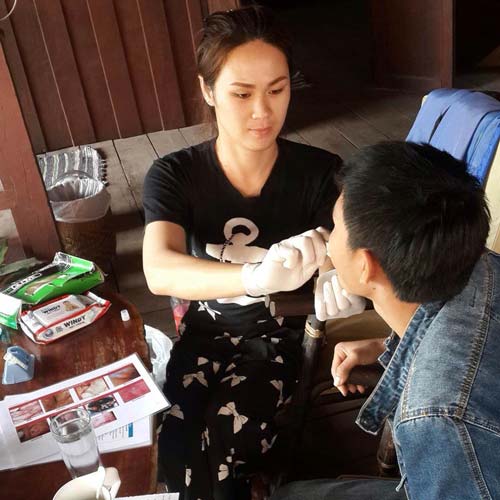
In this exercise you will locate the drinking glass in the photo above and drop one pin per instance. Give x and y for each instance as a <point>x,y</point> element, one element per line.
<point>75,436</point>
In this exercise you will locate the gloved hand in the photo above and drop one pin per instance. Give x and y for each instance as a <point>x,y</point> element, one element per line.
<point>332,301</point>
<point>287,265</point>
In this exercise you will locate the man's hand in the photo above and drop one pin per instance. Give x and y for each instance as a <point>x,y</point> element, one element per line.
<point>287,265</point>
<point>347,355</point>
<point>332,301</point>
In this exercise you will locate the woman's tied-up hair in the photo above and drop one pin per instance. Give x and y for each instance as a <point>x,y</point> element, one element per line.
<point>224,31</point>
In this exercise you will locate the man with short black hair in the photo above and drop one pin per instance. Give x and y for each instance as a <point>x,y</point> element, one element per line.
<point>410,233</point>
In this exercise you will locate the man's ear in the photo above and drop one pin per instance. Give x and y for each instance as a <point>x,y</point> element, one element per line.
<point>206,91</point>
<point>369,267</point>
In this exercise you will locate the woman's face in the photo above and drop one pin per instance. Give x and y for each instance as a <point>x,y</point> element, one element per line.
<point>251,95</point>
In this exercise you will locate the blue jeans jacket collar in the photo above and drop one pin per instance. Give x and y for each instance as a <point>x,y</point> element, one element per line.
<point>396,360</point>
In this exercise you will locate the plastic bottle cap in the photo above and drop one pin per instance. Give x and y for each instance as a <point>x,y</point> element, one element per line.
<point>125,315</point>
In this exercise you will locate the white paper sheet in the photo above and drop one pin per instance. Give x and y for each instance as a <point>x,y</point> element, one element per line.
<point>157,496</point>
<point>117,394</point>
<point>133,435</point>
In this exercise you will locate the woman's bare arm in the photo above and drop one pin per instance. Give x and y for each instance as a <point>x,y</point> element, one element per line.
<point>170,271</point>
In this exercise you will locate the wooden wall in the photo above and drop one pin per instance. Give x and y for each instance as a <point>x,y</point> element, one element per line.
<point>22,191</point>
<point>414,43</point>
<point>92,70</point>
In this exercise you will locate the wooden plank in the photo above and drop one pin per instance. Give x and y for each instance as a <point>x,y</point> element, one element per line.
<point>163,67</point>
<point>136,52</point>
<point>405,103</point>
<point>198,133</point>
<point>293,135</point>
<point>122,201</point>
<point>136,156</point>
<point>90,69</point>
<point>66,75</point>
<point>111,51</point>
<point>353,128</point>
<point>127,222</point>
<point>479,78</point>
<point>127,264</point>
<point>40,77</point>
<point>184,20</point>
<point>379,113</point>
<point>167,141</point>
<point>146,302</point>
<point>163,320</point>
<point>322,136</point>
<point>21,84</point>
<point>33,217</point>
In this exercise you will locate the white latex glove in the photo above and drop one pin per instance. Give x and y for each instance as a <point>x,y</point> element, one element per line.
<point>332,301</point>
<point>287,265</point>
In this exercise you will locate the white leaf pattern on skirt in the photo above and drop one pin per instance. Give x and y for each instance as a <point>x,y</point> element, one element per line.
<point>188,477</point>
<point>202,361</point>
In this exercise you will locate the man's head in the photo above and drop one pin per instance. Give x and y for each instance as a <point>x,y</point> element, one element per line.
<point>410,217</point>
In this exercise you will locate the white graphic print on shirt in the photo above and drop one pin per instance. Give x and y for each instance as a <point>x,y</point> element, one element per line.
<point>237,250</point>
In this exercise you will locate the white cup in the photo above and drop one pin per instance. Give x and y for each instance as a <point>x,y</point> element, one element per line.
<point>107,481</point>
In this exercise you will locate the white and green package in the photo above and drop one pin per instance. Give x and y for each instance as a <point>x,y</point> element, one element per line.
<point>66,274</point>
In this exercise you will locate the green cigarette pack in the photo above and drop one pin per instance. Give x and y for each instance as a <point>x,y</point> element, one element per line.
<point>66,274</point>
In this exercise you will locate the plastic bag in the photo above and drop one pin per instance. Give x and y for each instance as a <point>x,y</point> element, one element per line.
<point>77,197</point>
<point>159,348</point>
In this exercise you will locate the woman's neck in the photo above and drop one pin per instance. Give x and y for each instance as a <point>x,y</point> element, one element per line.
<point>247,170</point>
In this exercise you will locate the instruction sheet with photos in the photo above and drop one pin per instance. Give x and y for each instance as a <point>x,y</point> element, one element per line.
<point>115,395</point>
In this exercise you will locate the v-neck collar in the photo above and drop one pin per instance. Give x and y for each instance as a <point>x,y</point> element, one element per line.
<point>266,186</point>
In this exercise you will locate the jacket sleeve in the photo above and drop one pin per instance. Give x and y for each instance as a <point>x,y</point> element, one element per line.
<point>443,458</point>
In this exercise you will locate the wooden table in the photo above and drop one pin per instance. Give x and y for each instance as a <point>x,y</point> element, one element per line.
<point>99,344</point>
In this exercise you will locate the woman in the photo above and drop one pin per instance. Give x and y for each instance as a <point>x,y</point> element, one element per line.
<point>212,213</point>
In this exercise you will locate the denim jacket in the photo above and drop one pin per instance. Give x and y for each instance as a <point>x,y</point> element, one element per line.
<point>441,390</point>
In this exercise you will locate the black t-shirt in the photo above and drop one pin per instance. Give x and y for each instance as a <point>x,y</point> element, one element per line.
<point>189,188</point>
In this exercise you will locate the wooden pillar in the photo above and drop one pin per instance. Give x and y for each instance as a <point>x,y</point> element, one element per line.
<point>24,192</point>
<point>414,43</point>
